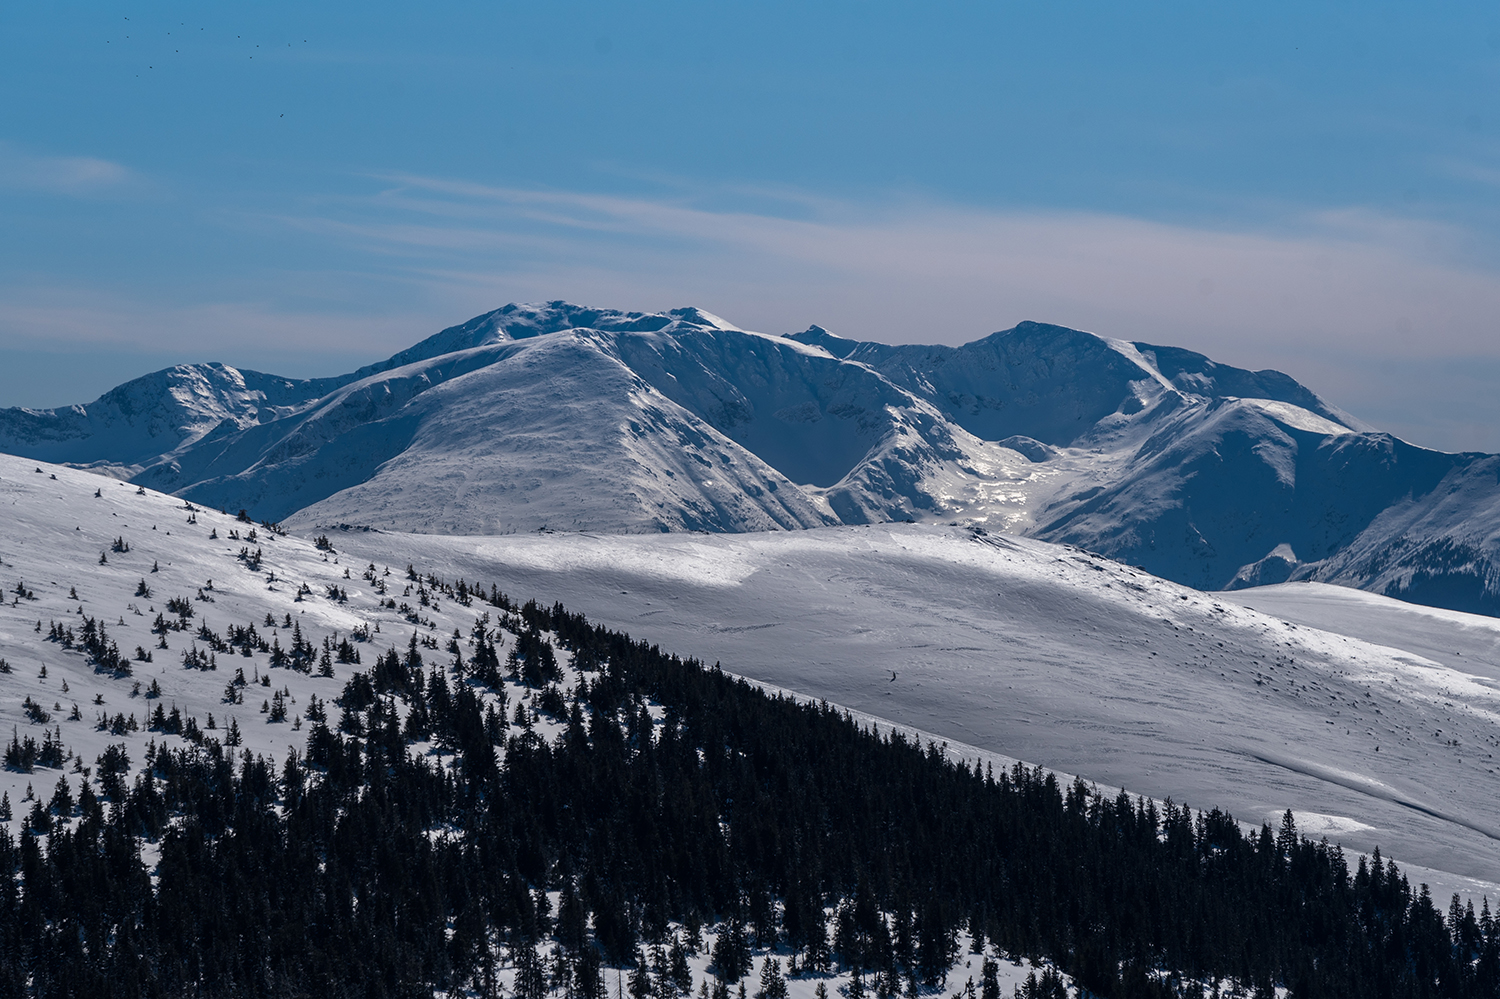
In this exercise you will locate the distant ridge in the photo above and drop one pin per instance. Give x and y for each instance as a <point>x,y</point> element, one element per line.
<point>564,417</point>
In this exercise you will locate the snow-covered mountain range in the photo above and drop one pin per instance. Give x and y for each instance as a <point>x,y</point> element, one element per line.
<point>566,418</point>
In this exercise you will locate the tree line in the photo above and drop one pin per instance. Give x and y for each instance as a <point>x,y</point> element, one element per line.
<point>674,801</point>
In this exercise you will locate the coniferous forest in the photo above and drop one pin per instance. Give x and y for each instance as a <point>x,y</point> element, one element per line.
<point>429,838</point>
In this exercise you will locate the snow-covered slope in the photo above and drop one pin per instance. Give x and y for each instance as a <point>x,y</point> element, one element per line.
<point>1203,473</point>
<point>1055,656</point>
<point>1437,547</point>
<point>1201,491</point>
<point>1467,642</point>
<point>864,447</point>
<point>518,421</point>
<point>59,563</point>
<point>154,415</point>
<point>1011,646</point>
<point>575,418</point>
<point>518,435</point>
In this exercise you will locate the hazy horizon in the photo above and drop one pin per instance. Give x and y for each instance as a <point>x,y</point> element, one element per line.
<point>304,191</point>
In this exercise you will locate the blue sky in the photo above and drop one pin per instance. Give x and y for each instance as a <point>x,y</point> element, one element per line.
<point>300,190</point>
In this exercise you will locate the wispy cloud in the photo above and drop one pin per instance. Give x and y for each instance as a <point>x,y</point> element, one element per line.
<point>68,319</point>
<point>1335,280</point>
<point>1374,310</point>
<point>21,169</point>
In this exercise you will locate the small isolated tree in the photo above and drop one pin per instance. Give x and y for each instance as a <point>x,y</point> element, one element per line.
<point>62,798</point>
<point>40,820</point>
<point>113,764</point>
<point>772,984</point>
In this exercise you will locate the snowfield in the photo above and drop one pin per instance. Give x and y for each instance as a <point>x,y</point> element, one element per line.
<point>1006,647</point>
<point>1055,656</point>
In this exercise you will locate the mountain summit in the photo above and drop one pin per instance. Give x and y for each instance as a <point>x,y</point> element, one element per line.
<point>562,417</point>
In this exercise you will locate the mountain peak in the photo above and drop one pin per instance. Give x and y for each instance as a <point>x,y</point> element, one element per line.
<point>1194,374</point>
<point>524,320</point>
<point>817,336</point>
<point>1030,331</point>
<point>694,316</point>
<point>676,419</point>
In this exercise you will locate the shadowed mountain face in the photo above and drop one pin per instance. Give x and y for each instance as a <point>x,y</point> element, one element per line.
<point>568,418</point>
<point>138,422</point>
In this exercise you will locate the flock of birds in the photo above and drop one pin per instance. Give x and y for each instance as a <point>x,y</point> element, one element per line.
<point>138,38</point>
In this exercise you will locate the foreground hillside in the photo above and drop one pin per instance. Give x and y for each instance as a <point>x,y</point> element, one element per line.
<point>1055,656</point>
<point>568,418</point>
<point>1015,647</point>
<point>442,791</point>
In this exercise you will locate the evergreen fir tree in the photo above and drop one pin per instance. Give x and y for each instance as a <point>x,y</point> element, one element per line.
<point>588,975</point>
<point>640,979</point>
<point>772,984</point>
<point>681,974</point>
<point>990,980</point>
<point>531,982</point>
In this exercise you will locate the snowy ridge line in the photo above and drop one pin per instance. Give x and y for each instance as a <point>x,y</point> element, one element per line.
<point>637,422</point>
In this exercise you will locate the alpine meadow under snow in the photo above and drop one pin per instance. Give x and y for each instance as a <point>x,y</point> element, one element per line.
<point>1111,561</point>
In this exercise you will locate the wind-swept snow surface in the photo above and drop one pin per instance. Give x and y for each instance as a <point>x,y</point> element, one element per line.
<point>1017,647</point>
<point>1466,642</point>
<point>1055,656</point>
